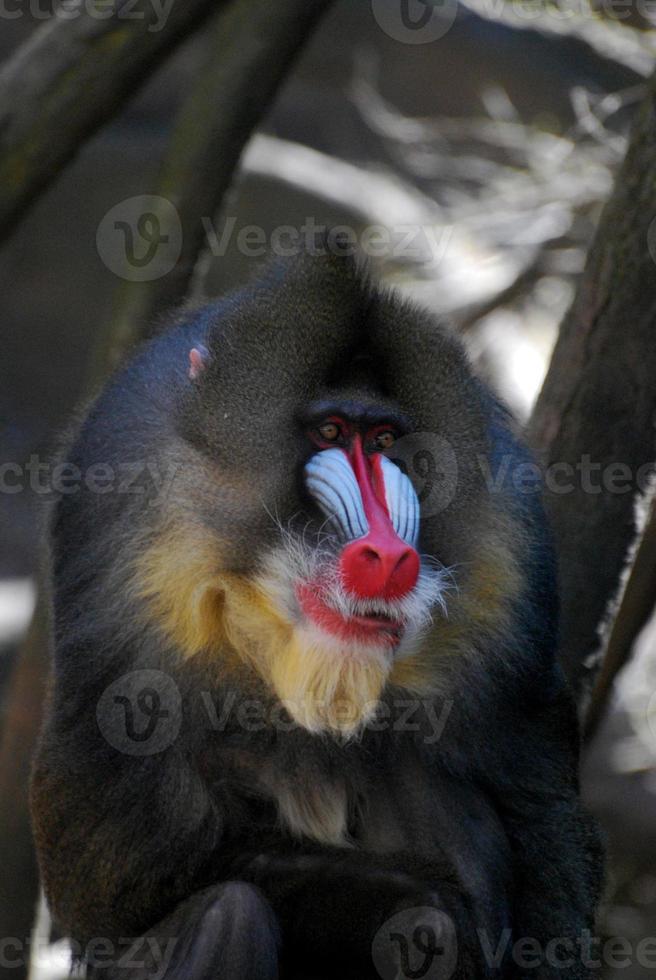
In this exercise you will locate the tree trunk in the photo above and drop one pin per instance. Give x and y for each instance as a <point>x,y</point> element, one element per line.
<point>596,413</point>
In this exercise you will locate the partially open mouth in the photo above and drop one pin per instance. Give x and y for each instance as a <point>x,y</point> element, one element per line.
<point>377,627</point>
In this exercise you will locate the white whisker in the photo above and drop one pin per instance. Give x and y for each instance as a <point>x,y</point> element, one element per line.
<point>297,563</point>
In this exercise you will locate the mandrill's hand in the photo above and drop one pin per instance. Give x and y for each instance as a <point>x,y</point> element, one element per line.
<point>356,917</point>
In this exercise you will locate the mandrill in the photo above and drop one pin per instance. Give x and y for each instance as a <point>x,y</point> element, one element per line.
<point>305,718</point>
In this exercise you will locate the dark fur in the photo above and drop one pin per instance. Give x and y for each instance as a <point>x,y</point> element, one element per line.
<point>485,824</point>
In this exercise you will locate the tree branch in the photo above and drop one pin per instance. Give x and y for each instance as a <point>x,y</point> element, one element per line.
<point>599,399</point>
<point>636,607</point>
<point>251,49</point>
<point>69,78</point>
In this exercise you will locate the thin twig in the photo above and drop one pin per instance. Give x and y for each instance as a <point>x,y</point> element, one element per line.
<point>69,78</point>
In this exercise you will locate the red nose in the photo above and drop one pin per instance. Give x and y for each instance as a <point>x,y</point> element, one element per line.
<point>379,566</point>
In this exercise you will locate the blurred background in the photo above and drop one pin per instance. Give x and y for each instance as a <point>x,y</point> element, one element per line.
<point>494,135</point>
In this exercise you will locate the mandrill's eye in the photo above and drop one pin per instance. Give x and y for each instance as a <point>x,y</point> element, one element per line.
<point>329,431</point>
<point>385,439</point>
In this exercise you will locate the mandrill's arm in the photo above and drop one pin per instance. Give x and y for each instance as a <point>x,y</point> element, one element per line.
<point>555,843</point>
<point>121,839</point>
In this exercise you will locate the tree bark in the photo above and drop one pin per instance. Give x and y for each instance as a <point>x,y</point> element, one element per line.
<point>69,78</point>
<point>597,407</point>
<point>252,47</point>
<point>636,608</point>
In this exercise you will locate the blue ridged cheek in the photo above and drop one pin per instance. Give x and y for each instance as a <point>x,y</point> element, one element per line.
<point>330,480</point>
<point>402,502</point>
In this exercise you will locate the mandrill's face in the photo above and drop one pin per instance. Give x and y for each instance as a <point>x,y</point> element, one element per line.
<point>347,577</point>
<point>300,548</point>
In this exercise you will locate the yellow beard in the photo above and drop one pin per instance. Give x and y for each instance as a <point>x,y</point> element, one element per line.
<point>324,685</point>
